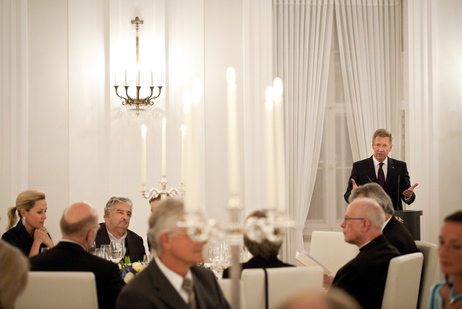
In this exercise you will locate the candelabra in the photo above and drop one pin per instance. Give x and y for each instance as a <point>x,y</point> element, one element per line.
<point>272,228</point>
<point>163,192</point>
<point>136,101</point>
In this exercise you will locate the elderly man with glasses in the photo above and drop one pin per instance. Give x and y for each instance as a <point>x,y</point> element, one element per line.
<point>364,277</point>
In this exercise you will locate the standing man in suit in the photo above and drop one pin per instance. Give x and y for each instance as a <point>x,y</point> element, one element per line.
<point>117,215</point>
<point>391,174</point>
<point>172,279</point>
<point>393,230</point>
<point>364,277</point>
<point>79,224</point>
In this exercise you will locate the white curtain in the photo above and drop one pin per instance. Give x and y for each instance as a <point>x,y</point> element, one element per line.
<point>302,40</point>
<point>369,33</point>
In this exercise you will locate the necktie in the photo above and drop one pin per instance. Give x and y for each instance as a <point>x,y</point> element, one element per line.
<point>188,288</point>
<point>381,176</point>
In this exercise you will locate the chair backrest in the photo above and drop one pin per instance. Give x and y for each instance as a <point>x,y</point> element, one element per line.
<point>403,281</point>
<point>53,289</point>
<point>331,250</point>
<point>430,252</point>
<point>282,282</point>
<point>226,287</point>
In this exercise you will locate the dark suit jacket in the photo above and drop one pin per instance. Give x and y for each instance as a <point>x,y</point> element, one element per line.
<point>133,243</point>
<point>67,256</point>
<point>398,235</point>
<point>151,289</point>
<point>259,262</point>
<point>20,238</point>
<point>396,183</point>
<point>364,276</point>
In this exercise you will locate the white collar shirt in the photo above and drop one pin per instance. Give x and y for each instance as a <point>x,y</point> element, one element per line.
<point>175,279</point>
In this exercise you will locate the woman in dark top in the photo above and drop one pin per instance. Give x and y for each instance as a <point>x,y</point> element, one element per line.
<point>263,250</point>
<point>29,234</point>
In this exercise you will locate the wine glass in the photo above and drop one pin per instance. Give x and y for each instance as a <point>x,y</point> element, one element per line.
<point>105,251</point>
<point>219,255</point>
<point>115,252</point>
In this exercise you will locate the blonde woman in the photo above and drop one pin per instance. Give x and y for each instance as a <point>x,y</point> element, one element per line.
<point>14,269</point>
<point>29,234</point>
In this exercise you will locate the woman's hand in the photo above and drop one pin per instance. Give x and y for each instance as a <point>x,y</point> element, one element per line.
<point>41,236</point>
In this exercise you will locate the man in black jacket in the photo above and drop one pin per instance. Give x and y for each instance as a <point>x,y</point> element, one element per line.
<point>117,215</point>
<point>394,231</point>
<point>79,224</point>
<point>391,174</point>
<point>364,277</point>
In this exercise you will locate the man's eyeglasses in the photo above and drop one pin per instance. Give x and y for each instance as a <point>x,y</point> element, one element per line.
<point>349,219</point>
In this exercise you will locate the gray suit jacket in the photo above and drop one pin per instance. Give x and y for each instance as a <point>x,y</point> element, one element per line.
<point>151,289</point>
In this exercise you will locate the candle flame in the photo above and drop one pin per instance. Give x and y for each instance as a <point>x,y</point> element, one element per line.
<point>231,76</point>
<point>277,86</point>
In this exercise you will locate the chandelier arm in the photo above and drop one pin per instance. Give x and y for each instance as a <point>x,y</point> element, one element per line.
<point>153,192</point>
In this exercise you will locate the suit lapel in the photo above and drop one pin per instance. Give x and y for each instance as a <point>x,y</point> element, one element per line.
<point>165,290</point>
<point>391,173</point>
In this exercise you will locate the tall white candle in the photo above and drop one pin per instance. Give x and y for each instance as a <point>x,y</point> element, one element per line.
<point>115,78</point>
<point>196,147</point>
<point>270,161</point>
<point>280,157</point>
<point>164,148</point>
<point>125,73</point>
<point>183,149</point>
<point>138,78</point>
<point>152,79</point>
<point>189,171</point>
<point>143,155</point>
<point>233,148</point>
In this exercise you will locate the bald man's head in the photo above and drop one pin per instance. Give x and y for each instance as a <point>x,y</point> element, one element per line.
<point>77,219</point>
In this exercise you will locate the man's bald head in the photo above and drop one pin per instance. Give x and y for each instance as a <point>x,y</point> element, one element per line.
<point>77,219</point>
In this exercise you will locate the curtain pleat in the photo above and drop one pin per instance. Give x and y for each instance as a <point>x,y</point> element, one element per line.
<point>369,39</point>
<point>302,36</point>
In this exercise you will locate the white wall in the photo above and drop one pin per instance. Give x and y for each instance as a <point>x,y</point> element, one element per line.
<point>64,132</point>
<point>448,94</point>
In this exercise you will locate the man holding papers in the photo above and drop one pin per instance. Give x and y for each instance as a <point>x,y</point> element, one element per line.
<point>364,276</point>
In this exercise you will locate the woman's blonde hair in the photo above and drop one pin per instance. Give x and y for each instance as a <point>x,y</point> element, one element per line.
<point>25,200</point>
<point>14,269</point>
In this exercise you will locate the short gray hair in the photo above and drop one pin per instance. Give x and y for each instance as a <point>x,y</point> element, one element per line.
<point>115,199</point>
<point>164,219</point>
<point>371,211</point>
<point>374,191</point>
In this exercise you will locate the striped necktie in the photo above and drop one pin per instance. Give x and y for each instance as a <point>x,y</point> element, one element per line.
<point>187,286</point>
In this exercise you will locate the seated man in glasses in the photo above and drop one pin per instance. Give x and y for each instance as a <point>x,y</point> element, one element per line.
<point>364,277</point>
<point>393,230</point>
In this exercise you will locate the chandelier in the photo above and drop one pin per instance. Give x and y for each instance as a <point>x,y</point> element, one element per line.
<point>136,102</point>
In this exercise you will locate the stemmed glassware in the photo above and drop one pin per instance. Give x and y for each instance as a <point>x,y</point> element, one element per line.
<point>220,256</point>
<point>116,251</point>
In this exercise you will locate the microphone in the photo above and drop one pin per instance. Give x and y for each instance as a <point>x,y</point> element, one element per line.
<point>369,179</point>
<point>399,195</point>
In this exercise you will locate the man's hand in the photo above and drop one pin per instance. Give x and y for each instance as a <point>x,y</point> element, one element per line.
<point>408,192</point>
